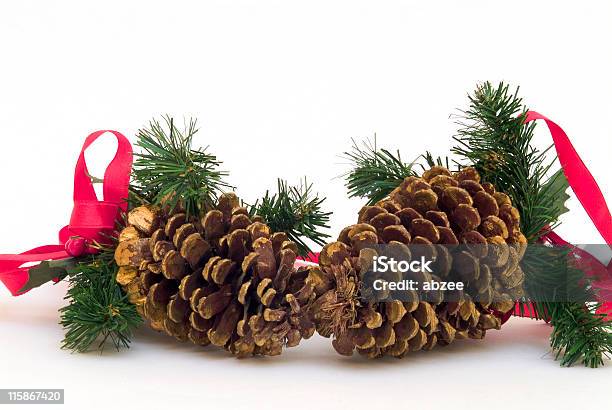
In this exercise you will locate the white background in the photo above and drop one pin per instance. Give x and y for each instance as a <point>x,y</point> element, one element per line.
<point>279,89</point>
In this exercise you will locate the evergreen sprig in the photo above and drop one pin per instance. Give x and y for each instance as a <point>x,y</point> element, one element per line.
<point>169,170</point>
<point>495,139</point>
<point>580,334</point>
<point>98,309</point>
<point>374,172</point>
<point>297,211</point>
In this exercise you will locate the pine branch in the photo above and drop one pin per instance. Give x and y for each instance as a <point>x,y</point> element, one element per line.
<point>494,138</point>
<point>560,294</point>
<point>169,171</point>
<point>375,173</point>
<point>98,309</point>
<point>296,211</point>
<point>579,333</point>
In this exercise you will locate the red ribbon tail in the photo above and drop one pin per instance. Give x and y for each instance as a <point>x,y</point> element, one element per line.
<point>14,280</point>
<point>15,277</point>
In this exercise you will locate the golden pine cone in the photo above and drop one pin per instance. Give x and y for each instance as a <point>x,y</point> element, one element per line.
<point>224,279</point>
<point>437,208</point>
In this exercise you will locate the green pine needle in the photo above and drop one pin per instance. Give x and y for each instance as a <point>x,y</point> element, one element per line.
<point>296,211</point>
<point>98,309</point>
<point>430,161</point>
<point>168,170</point>
<point>579,333</point>
<point>494,138</point>
<point>375,173</point>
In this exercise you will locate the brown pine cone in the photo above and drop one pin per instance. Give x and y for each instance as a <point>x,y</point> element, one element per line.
<point>224,279</point>
<point>436,209</point>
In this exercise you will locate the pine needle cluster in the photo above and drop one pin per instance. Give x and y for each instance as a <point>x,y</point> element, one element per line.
<point>374,172</point>
<point>169,170</point>
<point>495,139</point>
<point>579,334</point>
<point>98,311</point>
<point>297,211</point>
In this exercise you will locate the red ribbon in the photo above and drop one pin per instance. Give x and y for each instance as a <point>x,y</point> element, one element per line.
<point>579,178</point>
<point>592,200</point>
<point>91,220</point>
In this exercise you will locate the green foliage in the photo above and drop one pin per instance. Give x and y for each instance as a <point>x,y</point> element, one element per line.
<point>494,138</point>
<point>98,309</point>
<point>296,211</point>
<point>579,333</point>
<point>168,170</point>
<point>374,172</point>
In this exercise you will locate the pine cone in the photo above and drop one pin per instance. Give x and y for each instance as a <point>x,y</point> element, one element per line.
<point>224,279</point>
<point>437,208</point>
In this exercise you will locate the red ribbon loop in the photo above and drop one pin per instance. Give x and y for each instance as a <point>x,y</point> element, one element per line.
<point>91,219</point>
